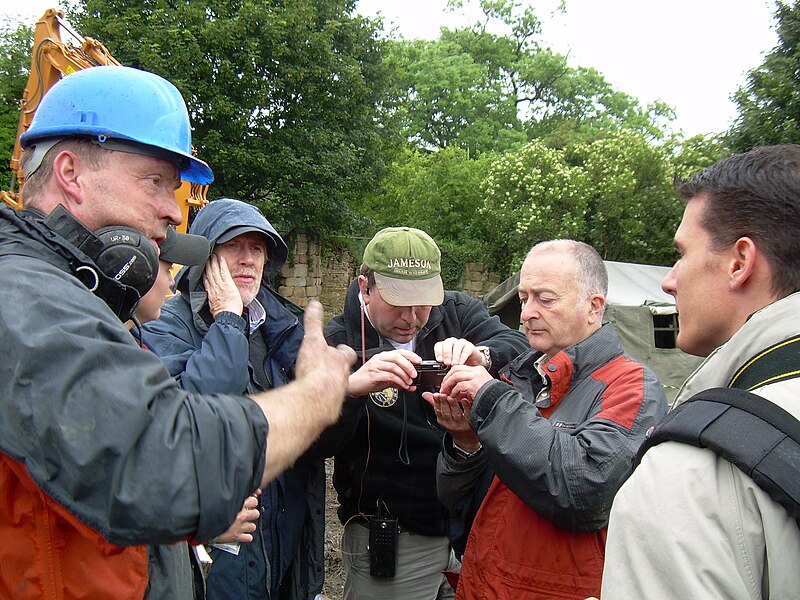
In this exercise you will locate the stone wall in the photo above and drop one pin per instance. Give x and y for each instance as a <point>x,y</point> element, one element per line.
<point>339,267</point>
<point>312,271</point>
<point>477,280</point>
<point>301,275</point>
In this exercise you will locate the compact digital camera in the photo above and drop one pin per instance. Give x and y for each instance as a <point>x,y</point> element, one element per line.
<point>430,373</point>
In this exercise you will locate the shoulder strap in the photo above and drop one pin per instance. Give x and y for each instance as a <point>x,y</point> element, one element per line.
<point>755,435</point>
<point>777,363</point>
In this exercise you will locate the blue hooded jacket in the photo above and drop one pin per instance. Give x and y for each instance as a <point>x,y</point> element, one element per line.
<point>217,355</point>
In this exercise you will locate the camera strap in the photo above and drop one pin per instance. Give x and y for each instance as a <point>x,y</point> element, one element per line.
<point>363,335</point>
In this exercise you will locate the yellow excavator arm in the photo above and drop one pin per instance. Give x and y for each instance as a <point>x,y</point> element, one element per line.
<point>52,59</point>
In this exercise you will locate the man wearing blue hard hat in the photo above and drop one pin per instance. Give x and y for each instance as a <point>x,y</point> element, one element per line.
<point>101,453</point>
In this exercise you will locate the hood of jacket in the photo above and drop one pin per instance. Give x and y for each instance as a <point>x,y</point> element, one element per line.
<point>220,216</point>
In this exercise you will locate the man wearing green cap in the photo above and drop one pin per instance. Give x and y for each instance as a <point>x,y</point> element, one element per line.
<point>396,315</point>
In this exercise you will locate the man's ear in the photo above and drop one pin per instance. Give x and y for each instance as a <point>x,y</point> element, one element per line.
<point>67,173</point>
<point>363,288</point>
<point>596,305</point>
<point>742,263</point>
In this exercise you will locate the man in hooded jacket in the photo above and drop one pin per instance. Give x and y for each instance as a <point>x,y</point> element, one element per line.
<point>227,332</point>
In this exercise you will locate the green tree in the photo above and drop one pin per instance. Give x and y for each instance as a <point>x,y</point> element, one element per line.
<point>696,153</point>
<point>539,83</point>
<point>614,192</point>
<point>531,194</point>
<point>483,90</point>
<point>769,104</point>
<point>15,60</point>
<point>440,193</point>
<point>287,99</point>
<point>632,208</point>
<point>449,100</point>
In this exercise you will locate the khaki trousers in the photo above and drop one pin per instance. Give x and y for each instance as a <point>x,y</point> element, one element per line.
<point>420,562</point>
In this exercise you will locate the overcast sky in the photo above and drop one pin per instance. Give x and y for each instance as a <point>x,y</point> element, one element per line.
<point>692,54</point>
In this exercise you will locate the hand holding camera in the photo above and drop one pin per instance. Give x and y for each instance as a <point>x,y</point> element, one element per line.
<point>393,368</point>
<point>430,373</point>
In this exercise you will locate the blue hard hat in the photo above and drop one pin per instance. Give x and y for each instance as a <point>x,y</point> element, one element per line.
<point>120,105</point>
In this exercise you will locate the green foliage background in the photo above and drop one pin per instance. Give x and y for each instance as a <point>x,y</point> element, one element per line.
<point>484,137</point>
<point>769,104</point>
<point>15,61</point>
<point>287,98</point>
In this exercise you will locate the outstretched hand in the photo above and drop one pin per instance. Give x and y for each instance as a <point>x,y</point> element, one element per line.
<point>453,415</point>
<point>321,365</point>
<point>298,412</point>
<point>453,403</point>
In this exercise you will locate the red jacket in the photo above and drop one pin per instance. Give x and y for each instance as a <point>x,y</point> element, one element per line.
<point>46,553</point>
<point>527,553</point>
<point>558,462</point>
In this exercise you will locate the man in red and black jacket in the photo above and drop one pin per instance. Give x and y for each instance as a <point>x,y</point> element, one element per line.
<point>558,430</point>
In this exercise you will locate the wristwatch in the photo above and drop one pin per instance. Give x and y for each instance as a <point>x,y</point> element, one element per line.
<point>487,354</point>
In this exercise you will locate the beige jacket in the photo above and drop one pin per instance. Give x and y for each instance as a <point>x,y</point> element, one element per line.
<point>688,524</point>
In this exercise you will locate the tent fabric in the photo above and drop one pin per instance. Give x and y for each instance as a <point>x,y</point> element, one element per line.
<point>634,298</point>
<point>632,284</point>
<point>636,332</point>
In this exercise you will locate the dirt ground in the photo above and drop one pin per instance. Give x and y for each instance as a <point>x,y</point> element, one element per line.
<point>334,569</point>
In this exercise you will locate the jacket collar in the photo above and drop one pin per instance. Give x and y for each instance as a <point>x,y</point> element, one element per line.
<point>588,355</point>
<point>573,363</point>
<point>772,324</point>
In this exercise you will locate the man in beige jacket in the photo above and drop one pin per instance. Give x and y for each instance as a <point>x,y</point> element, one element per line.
<point>689,524</point>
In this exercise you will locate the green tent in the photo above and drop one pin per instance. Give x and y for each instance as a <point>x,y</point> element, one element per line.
<point>644,315</point>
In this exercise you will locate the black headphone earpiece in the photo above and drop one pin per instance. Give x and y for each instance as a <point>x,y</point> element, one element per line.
<point>127,256</point>
<point>123,262</point>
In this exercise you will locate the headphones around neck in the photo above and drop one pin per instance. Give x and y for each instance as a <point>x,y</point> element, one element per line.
<point>123,263</point>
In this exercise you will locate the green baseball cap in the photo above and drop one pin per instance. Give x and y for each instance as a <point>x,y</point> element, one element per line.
<point>407,266</point>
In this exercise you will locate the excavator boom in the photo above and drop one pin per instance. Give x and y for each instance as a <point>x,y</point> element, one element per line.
<point>52,59</point>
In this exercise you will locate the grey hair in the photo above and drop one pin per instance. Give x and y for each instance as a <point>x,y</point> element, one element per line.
<point>94,155</point>
<point>591,270</point>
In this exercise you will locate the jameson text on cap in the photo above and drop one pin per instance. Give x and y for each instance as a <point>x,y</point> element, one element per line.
<point>407,266</point>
